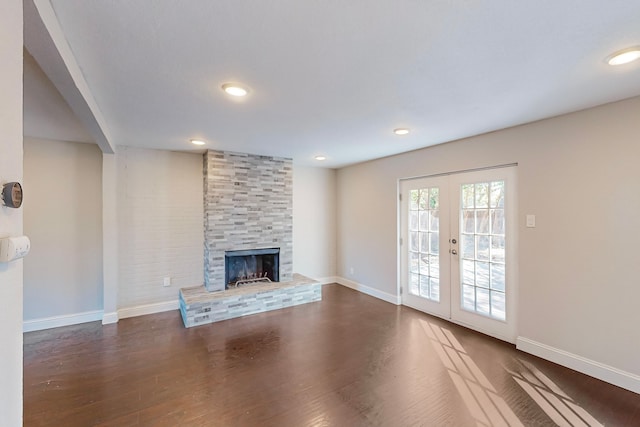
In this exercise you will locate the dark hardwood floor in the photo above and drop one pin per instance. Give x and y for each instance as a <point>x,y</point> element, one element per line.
<point>349,360</point>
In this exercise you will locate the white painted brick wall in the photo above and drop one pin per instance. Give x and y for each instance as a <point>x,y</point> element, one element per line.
<point>160,224</point>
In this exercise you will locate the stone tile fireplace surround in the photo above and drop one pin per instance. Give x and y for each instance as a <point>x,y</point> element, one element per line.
<point>248,204</point>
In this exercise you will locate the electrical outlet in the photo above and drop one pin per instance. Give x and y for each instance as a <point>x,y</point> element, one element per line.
<point>167,281</point>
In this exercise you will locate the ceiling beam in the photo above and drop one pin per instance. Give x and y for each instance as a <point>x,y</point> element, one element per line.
<point>45,40</point>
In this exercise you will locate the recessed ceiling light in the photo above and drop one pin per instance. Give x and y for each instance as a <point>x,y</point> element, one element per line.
<point>235,89</point>
<point>624,56</point>
<point>401,131</point>
<point>197,142</point>
<point>320,158</point>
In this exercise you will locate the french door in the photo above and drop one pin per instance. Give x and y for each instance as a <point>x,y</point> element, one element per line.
<point>458,243</point>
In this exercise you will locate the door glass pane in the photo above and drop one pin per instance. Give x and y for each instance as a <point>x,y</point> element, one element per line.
<point>413,241</point>
<point>424,242</point>
<point>482,301</point>
<point>497,276</point>
<point>434,266</point>
<point>497,249</point>
<point>482,245</point>
<point>434,245</point>
<point>424,286</point>
<point>413,220</point>
<point>482,248</point>
<point>424,264</point>
<point>424,220</point>
<point>482,195</point>
<point>424,251</point>
<point>434,287</point>
<point>414,196</point>
<point>468,297</point>
<point>414,283</point>
<point>414,262</point>
<point>422,203</point>
<point>434,217</point>
<point>468,272</point>
<point>467,196</point>
<point>482,221</point>
<point>467,245</point>
<point>482,274</point>
<point>497,221</point>
<point>468,221</point>
<point>434,198</point>
<point>497,194</point>
<point>498,305</point>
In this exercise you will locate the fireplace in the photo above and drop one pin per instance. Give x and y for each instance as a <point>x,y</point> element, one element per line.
<point>248,203</point>
<point>251,266</point>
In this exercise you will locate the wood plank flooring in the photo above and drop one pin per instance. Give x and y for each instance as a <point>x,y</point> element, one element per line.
<point>349,360</point>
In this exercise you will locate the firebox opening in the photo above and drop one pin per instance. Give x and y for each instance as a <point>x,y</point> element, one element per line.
<point>251,266</point>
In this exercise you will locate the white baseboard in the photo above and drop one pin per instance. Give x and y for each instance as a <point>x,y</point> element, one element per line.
<point>598,370</point>
<point>110,318</point>
<point>141,310</point>
<point>393,299</point>
<point>64,320</point>
<point>327,280</point>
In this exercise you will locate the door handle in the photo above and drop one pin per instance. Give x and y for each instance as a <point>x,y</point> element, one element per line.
<point>453,252</point>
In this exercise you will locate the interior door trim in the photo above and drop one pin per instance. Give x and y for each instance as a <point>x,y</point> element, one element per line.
<point>435,175</point>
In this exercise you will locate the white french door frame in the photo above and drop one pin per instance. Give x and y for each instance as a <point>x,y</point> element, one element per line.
<point>442,306</point>
<point>454,313</point>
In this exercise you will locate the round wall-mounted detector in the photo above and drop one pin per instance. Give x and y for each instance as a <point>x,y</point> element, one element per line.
<point>235,89</point>
<point>12,194</point>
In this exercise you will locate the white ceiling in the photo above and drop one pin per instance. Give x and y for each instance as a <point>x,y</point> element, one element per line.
<point>336,77</point>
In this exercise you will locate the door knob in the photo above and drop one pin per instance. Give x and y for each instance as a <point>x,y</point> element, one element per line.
<point>454,252</point>
<point>454,241</point>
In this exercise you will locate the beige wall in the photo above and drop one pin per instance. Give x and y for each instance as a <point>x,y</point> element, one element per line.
<point>63,218</point>
<point>11,219</point>
<point>314,222</point>
<point>578,269</point>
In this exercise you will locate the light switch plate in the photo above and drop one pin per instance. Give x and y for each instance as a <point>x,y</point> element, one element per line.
<point>531,221</point>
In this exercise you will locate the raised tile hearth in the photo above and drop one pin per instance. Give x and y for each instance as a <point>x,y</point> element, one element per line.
<point>200,307</point>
